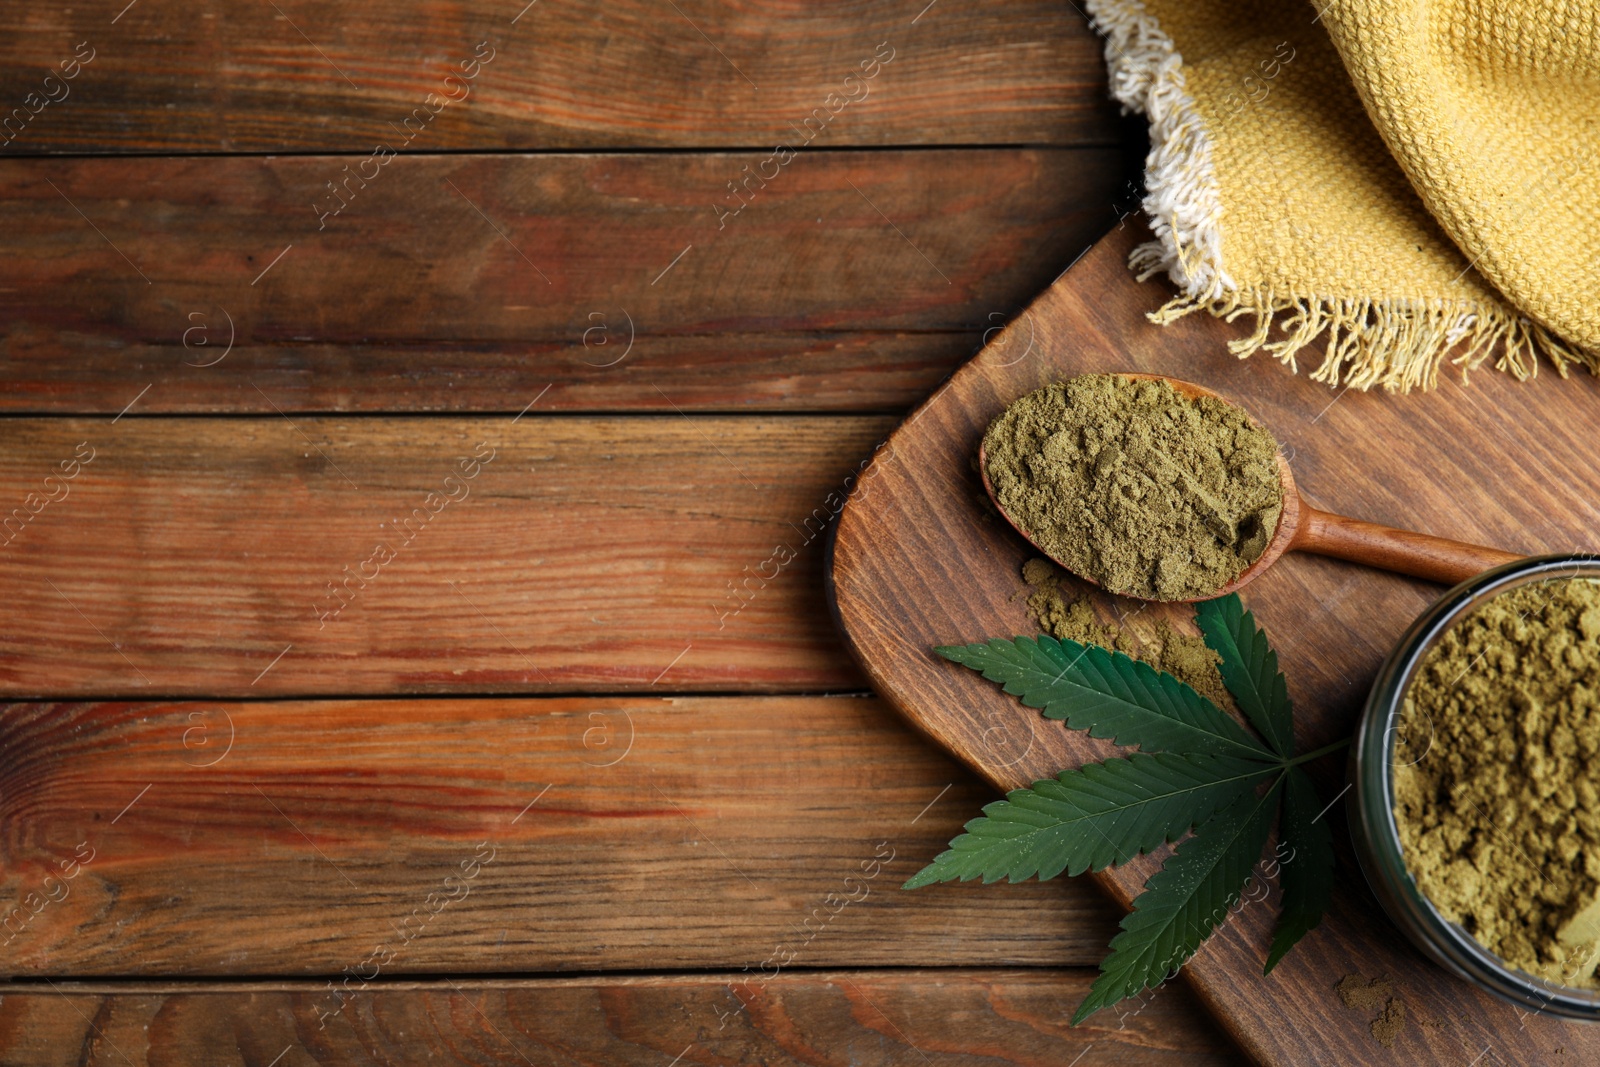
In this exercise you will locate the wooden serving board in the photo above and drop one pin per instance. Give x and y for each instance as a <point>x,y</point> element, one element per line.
<point>921,559</point>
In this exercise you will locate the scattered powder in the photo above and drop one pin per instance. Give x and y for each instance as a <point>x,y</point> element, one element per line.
<point>1038,571</point>
<point>1188,658</point>
<point>1499,815</point>
<point>1070,616</point>
<point>1358,994</point>
<point>1362,995</point>
<point>1390,1024</point>
<point>1067,615</point>
<point>1129,483</point>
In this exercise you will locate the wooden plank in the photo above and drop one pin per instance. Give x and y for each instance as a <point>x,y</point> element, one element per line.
<point>293,76</point>
<point>497,835</point>
<point>794,371</point>
<point>319,556</point>
<point>454,282</point>
<point>854,1018</point>
<point>1479,464</point>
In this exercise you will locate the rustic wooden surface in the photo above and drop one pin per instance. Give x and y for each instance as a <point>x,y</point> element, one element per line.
<point>593,553</point>
<point>588,665</point>
<point>292,75</point>
<point>410,300</point>
<point>824,1018</point>
<point>921,559</point>
<point>658,837</point>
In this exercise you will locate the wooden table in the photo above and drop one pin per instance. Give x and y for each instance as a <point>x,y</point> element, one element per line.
<point>411,554</point>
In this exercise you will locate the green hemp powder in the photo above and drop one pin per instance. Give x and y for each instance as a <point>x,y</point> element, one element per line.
<point>1135,486</point>
<point>1497,778</point>
<point>1068,615</point>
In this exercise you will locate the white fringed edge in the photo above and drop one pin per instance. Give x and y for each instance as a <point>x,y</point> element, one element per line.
<point>1181,198</point>
<point>1397,344</point>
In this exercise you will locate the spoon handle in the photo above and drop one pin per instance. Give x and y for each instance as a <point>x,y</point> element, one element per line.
<point>1402,551</point>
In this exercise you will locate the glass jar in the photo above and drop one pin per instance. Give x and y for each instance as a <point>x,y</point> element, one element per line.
<point>1372,823</point>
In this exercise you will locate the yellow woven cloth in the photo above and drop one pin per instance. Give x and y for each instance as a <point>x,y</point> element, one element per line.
<point>1385,184</point>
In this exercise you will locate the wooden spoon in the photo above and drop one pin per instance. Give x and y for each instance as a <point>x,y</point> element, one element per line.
<point>1303,528</point>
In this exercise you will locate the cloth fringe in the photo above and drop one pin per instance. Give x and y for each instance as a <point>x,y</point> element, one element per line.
<point>1181,200</point>
<point>1397,344</point>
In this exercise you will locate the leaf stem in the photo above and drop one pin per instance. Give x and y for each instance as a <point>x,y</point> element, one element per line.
<point>1323,751</point>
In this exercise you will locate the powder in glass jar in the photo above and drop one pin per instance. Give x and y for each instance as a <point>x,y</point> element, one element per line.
<point>1136,486</point>
<point>1497,778</point>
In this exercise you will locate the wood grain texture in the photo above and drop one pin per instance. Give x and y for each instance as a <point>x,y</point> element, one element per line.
<point>920,560</point>
<point>456,283</point>
<point>213,77</point>
<point>824,1019</point>
<point>314,556</point>
<point>342,838</point>
<point>788,371</point>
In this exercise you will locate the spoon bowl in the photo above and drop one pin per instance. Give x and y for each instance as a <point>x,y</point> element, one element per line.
<point>1304,528</point>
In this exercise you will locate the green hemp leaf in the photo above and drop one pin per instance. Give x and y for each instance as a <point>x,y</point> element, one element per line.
<point>1199,779</point>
